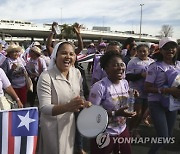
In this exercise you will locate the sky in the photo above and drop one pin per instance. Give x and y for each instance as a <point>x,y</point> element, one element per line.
<point>120,15</point>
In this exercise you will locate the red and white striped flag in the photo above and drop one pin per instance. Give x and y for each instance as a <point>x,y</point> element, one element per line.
<point>85,58</point>
<point>18,131</point>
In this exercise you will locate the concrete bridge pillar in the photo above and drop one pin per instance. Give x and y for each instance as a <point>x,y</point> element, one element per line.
<point>2,36</point>
<point>100,39</point>
<point>32,39</point>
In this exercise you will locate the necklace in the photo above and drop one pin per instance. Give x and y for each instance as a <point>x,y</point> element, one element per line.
<point>118,121</point>
<point>121,98</point>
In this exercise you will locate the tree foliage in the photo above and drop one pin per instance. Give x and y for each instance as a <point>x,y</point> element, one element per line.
<point>166,31</point>
<point>68,31</point>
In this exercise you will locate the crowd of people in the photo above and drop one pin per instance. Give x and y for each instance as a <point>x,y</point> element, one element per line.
<point>60,88</point>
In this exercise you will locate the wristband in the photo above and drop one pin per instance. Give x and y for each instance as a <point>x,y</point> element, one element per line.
<point>113,113</point>
<point>159,91</point>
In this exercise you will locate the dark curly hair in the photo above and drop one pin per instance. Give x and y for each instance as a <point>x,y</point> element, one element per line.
<point>142,45</point>
<point>104,60</point>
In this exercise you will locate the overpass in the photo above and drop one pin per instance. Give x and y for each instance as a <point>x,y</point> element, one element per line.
<point>13,28</point>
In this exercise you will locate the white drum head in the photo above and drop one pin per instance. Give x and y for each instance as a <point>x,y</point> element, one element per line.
<point>176,81</point>
<point>92,121</point>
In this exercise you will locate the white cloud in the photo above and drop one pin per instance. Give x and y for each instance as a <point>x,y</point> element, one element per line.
<point>120,14</point>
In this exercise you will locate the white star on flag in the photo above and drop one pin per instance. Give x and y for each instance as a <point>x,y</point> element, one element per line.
<point>25,120</point>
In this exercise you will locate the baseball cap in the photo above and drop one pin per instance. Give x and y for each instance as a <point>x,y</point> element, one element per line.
<point>165,40</point>
<point>102,44</point>
<point>92,44</point>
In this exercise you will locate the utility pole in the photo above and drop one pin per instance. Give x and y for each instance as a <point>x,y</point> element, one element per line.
<point>141,5</point>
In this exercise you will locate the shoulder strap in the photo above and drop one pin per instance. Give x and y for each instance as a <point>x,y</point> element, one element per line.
<point>40,68</point>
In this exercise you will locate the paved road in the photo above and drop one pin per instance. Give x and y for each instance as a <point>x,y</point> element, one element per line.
<point>147,132</point>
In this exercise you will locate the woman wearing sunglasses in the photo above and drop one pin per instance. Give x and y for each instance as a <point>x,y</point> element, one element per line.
<point>156,86</point>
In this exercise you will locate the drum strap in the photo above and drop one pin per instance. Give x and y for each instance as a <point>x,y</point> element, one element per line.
<point>105,90</point>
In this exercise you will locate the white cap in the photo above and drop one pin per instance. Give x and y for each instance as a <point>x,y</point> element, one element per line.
<point>36,43</point>
<point>165,40</point>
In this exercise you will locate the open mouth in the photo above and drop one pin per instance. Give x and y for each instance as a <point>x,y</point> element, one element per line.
<point>170,54</point>
<point>67,63</point>
<point>120,73</point>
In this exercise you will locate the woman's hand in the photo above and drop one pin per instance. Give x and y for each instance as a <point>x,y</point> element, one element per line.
<point>87,104</point>
<point>124,112</point>
<point>143,74</point>
<point>20,105</point>
<point>14,66</point>
<point>175,92</point>
<point>75,104</point>
<point>76,28</point>
<point>53,29</point>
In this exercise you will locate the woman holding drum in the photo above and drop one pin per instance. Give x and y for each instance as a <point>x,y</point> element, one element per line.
<point>59,90</point>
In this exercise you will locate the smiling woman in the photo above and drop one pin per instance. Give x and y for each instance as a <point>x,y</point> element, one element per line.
<point>111,93</point>
<point>156,84</point>
<point>60,95</point>
<point>65,57</point>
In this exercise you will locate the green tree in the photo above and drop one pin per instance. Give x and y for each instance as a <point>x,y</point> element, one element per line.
<point>67,31</point>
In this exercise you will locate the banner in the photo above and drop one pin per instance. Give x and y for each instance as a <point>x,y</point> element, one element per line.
<point>19,131</point>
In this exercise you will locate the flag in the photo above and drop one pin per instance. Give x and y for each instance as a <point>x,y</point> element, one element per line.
<point>18,131</point>
<point>85,58</point>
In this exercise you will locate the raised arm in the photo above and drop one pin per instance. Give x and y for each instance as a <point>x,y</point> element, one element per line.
<point>50,38</point>
<point>76,28</point>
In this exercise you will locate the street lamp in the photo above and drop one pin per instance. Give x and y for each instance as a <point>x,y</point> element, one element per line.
<point>61,16</point>
<point>140,22</point>
<point>103,21</point>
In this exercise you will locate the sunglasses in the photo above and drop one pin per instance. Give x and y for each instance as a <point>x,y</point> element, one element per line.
<point>169,46</point>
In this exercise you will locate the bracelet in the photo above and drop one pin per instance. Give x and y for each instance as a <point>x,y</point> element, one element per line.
<point>52,33</point>
<point>17,99</point>
<point>113,113</point>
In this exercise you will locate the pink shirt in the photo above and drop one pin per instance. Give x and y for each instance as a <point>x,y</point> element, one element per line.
<point>4,82</point>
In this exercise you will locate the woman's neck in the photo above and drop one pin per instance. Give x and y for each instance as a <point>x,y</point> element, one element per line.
<point>168,61</point>
<point>143,59</point>
<point>114,81</point>
<point>65,74</point>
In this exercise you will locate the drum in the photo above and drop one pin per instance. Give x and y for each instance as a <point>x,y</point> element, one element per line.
<point>168,101</point>
<point>173,77</point>
<point>92,121</point>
